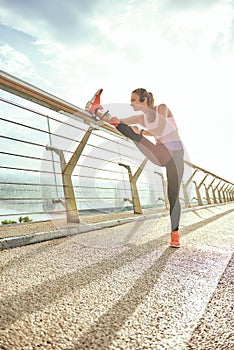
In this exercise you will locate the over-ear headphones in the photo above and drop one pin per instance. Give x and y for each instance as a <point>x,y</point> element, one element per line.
<point>143,95</point>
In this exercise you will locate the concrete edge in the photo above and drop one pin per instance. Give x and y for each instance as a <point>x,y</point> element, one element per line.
<point>38,237</point>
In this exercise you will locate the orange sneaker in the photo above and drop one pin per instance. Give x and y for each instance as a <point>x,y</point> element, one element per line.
<point>94,104</point>
<point>94,107</point>
<point>175,239</point>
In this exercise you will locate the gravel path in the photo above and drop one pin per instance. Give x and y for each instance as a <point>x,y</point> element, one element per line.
<point>123,288</point>
<point>33,227</point>
<point>216,328</point>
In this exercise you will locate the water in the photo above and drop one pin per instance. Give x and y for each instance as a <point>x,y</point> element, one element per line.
<point>23,194</point>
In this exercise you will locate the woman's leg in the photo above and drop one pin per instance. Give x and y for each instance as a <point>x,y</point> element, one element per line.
<point>174,163</point>
<point>175,169</point>
<point>157,154</point>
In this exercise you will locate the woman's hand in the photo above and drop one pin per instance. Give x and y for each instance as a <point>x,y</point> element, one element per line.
<point>135,129</point>
<point>138,131</point>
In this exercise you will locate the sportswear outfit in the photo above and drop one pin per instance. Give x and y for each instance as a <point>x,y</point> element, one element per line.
<point>168,152</point>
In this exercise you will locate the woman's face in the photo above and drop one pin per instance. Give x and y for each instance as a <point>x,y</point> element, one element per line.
<point>135,102</point>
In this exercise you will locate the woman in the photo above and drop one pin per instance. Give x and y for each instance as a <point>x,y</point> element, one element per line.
<point>157,121</point>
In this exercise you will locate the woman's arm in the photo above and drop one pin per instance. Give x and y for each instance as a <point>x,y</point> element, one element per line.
<point>139,131</point>
<point>146,132</point>
<point>139,119</point>
<point>161,121</point>
<point>134,119</point>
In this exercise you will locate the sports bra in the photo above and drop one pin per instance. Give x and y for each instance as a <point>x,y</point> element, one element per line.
<point>169,135</point>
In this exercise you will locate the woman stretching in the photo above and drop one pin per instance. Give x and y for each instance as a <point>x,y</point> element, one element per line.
<point>157,121</point>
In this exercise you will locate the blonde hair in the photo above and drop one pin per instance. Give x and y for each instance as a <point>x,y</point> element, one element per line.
<point>144,94</point>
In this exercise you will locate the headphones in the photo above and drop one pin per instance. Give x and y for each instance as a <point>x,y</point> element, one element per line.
<point>143,95</point>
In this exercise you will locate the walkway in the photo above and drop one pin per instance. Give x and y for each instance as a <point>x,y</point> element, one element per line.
<point>123,288</point>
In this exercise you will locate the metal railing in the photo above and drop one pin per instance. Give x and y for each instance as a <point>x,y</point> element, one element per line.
<point>56,162</point>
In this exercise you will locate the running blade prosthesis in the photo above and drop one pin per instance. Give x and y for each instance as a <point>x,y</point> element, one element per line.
<point>94,105</point>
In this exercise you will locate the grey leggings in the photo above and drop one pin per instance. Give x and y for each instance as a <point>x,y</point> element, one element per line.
<point>173,162</point>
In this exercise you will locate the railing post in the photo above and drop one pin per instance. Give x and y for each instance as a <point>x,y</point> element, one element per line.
<point>231,193</point>
<point>225,194</point>
<point>207,195</point>
<point>228,193</point>
<point>219,193</point>
<point>214,190</point>
<point>133,179</point>
<point>67,169</point>
<point>199,199</point>
<point>185,186</point>
<point>164,186</point>
<point>207,191</point>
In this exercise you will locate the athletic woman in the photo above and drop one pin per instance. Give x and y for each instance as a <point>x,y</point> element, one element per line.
<point>167,151</point>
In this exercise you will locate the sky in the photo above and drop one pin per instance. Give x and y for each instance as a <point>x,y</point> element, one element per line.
<point>180,50</point>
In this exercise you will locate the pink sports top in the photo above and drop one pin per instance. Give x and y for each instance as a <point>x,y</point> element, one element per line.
<point>169,135</point>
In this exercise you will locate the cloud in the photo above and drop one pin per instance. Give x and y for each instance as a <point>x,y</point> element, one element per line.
<point>118,39</point>
<point>223,43</point>
<point>65,21</point>
<point>218,44</point>
<point>112,26</point>
<point>190,5</point>
<point>15,62</point>
<point>77,22</point>
<point>231,41</point>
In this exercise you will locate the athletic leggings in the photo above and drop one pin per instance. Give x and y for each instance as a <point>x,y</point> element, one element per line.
<point>173,162</point>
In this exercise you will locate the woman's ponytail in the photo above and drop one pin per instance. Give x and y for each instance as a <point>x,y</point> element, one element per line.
<point>150,100</point>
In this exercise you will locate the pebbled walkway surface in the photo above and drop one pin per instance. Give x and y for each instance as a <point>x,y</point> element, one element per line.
<point>123,288</point>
